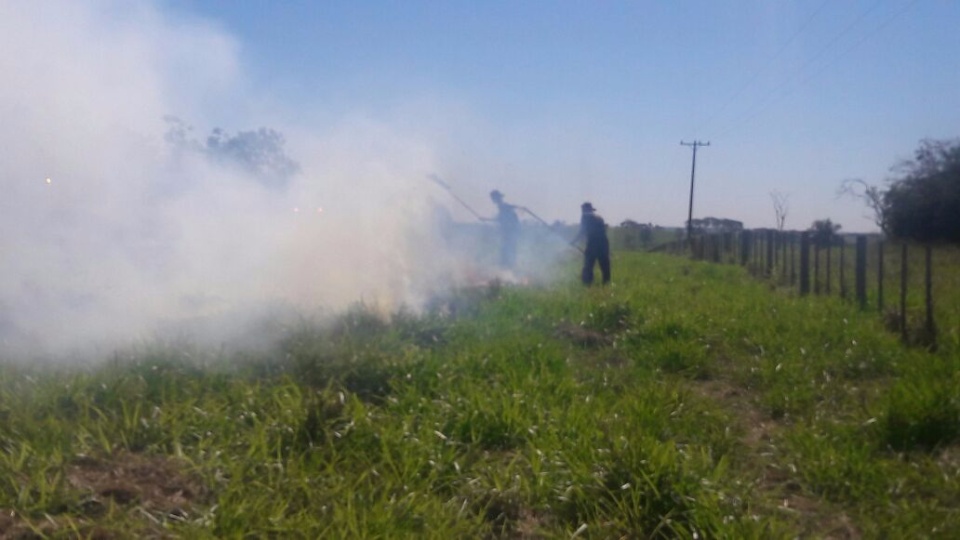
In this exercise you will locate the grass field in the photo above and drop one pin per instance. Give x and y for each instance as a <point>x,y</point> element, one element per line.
<point>945,283</point>
<point>687,400</point>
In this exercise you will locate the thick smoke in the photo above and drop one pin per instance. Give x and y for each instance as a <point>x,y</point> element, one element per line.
<point>118,222</point>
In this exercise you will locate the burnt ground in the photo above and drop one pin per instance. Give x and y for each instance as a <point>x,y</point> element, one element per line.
<point>583,337</point>
<point>150,490</point>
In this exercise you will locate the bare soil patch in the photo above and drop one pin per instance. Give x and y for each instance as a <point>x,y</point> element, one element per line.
<point>151,489</point>
<point>583,337</point>
<point>158,484</point>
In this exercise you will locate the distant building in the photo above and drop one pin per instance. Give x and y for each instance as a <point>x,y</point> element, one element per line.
<point>712,225</point>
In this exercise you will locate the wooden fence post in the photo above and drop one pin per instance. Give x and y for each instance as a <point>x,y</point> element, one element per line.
<point>829,269</point>
<point>757,246</point>
<point>769,235</point>
<point>903,292</point>
<point>880,276</point>
<point>843,262</point>
<point>860,271</point>
<point>816,268</point>
<point>930,325</point>
<point>783,255</point>
<point>758,255</point>
<point>793,258</point>
<point>745,242</point>
<point>804,263</point>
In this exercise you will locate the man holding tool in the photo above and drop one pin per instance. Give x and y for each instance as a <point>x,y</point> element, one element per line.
<point>593,228</point>
<point>506,219</point>
<point>509,225</point>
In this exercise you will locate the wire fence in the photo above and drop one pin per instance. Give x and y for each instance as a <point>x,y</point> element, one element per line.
<point>915,288</point>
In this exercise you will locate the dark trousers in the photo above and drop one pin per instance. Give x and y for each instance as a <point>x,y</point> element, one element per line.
<point>596,252</point>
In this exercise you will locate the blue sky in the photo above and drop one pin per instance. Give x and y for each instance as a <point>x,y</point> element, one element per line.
<point>559,102</point>
<point>108,230</point>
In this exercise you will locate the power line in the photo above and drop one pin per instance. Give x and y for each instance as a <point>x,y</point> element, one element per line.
<point>756,74</point>
<point>856,44</point>
<point>798,74</point>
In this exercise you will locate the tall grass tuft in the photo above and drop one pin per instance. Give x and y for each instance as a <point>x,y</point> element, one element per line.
<point>922,415</point>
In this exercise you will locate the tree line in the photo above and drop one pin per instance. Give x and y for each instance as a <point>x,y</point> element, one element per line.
<point>921,201</point>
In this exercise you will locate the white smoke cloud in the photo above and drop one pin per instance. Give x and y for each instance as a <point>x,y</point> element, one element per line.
<point>107,232</point>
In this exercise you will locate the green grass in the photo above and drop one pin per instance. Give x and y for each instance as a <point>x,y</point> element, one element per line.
<point>685,400</point>
<point>883,297</point>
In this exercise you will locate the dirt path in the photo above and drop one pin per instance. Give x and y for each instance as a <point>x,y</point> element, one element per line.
<point>779,488</point>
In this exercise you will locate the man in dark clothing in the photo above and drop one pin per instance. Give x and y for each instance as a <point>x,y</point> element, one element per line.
<point>594,230</point>
<point>509,225</point>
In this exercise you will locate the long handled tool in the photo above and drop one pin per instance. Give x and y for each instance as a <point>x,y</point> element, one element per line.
<point>436,179</point>
<point>538,218</point>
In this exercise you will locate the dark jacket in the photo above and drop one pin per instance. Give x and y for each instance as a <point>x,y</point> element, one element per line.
<point>507,219</point>
<point>593,228</point>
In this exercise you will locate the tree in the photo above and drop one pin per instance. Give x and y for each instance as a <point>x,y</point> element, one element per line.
<point>781,205</point>
<point>871,195</point>
<point>644,230</point>
<point>713,225</point>
<point>923,202</point>
<point>258,153</point>
<point>824,233</point>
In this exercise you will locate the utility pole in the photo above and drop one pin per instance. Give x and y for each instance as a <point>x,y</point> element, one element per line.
<point>693,172</point>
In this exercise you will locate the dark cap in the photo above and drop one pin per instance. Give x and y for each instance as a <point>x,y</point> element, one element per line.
<point>495,194</point>
<point>587,207</point>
